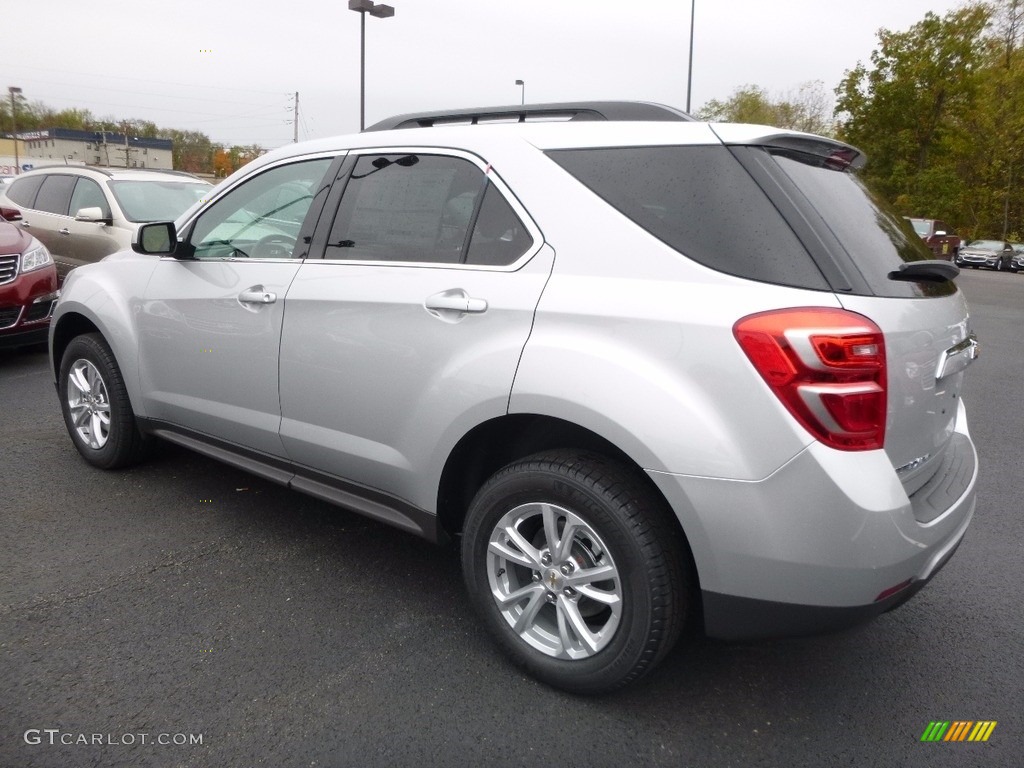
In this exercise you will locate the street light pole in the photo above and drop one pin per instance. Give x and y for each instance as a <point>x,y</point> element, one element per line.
<point>14,127</point>
<point>689,66</point>
<point>381,11</point>
<point>522,84</point>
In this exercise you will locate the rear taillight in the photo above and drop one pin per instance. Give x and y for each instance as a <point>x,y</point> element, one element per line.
<point>827,366</point>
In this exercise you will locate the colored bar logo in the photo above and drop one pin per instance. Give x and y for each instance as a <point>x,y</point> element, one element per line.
<point>958,730</point>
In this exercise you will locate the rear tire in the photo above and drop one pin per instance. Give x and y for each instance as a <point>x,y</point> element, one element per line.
<point>95,405</point>
<point>577,568</point>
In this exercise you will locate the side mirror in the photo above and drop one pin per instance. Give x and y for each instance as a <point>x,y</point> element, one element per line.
<point>93,214</point>
<point>159,239</point>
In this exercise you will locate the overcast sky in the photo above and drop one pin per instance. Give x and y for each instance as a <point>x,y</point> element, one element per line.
<point>229,68</point>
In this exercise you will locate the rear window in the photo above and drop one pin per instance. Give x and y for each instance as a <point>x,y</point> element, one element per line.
<point>23,191</point>
<point>700,201</point>
<point>877,240</point>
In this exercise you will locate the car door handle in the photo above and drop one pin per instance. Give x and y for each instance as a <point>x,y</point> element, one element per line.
<point>25,224</point>
<point>256,295</point>
<point>455,301</point>
<point>64,231</point>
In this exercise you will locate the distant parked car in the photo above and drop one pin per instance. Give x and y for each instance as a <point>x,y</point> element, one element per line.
<point>1017,260</point>
<point>938,236</point>
<point>994,254</point>
<point>83,214</point>
<point>28,288</point>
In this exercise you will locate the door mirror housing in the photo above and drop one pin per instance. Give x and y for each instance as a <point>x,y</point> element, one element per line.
<point>93,214</point>
<point>158,239</point>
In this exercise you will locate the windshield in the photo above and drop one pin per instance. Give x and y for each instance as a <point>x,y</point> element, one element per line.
<point>986,245</point>
<point>153,200</point>
<point>920,226</point>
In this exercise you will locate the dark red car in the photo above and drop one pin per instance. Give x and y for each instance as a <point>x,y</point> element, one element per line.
<point>938,236</point>
<point>28,288</point>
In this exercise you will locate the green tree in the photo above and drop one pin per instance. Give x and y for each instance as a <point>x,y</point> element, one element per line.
<point>193,151</point>
<point>807,109</point>
<point>916,110</point>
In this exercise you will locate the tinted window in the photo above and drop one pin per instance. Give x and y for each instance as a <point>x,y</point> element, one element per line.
<point>701,202</point>
<point>88,194</point>
<point>406,208</point>
<point>55,193</point>
<point>876,239</point>
<point>23,191</point>
<point>499,235</point>
<point>261,217</point>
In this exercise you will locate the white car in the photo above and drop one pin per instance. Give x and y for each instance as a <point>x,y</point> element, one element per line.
<point>83,213</point>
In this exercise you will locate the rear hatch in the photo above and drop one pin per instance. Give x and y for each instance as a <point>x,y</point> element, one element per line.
<point>880,268</point>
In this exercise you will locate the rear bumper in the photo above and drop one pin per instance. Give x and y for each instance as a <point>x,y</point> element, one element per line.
<point>828,541</point>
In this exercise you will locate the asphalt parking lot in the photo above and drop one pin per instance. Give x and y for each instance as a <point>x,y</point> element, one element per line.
<point>183,613</point>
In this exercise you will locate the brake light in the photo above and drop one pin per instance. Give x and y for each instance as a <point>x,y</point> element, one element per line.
<point>827,366</point>
<point>10,214</point>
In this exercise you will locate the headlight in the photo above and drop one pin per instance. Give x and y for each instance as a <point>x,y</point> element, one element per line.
<point>35,257</point>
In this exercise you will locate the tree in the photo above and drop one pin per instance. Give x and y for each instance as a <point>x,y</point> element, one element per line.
<point>908,111</point>
<point>193,151</point>
<point>807,109</point>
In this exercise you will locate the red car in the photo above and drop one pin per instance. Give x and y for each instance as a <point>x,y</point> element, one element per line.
<point>28,288</point>
<point>938,236</point>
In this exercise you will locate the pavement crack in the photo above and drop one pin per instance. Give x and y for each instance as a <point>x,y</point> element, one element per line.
<point>174,560</point>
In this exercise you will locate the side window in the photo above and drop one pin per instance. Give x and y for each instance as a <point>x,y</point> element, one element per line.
<point>23,191</point>
<point>88,194</point>
<point>417,208</point>
<point>499,235</point>
<point>55,193</point>
<point>261,218</point>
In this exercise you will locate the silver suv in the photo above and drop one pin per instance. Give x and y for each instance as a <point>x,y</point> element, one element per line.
<point>646,370</point>
<point>82,213</point>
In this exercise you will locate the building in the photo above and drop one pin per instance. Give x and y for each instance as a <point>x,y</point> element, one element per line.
<point>10,156</point>
<point>117,150</point>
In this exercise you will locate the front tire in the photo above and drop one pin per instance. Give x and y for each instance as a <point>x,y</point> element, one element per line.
<point>95,405</point>
<point>577,568</point>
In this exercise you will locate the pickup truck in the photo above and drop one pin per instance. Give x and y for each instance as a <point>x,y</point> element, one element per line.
<point>938,236</point>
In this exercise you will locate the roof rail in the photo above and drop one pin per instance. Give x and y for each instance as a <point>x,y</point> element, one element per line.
<point>573,110</point>
<point>110,170</point>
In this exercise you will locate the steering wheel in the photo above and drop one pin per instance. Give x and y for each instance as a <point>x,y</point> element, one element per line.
<point>273,247</point>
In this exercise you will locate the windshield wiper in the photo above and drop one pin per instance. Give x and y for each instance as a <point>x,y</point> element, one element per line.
<point>930,270</point>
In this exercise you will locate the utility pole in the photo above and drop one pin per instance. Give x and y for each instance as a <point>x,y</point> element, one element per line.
<point>295,121</point>
<point>125,125</point>
<point>13,90</point>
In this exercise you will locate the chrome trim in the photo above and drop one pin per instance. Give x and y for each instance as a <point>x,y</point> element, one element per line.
<point>957,357</point>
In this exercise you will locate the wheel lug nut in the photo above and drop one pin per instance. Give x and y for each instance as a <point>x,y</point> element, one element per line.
<point>545,559</point>
<point>569,592</point>
<point>536,576</point>
<point>566,569</point>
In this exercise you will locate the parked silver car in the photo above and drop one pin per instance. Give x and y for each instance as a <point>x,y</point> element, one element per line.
<point>994,254</point>
<point>82,213</point>
<point>1017,260</point>
<point>645,370</point>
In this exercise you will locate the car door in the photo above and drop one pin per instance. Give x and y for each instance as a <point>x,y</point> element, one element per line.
<point>408,331</point>
<point>48,219</point>
<point>210,320</point>
<point>91,240</point>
